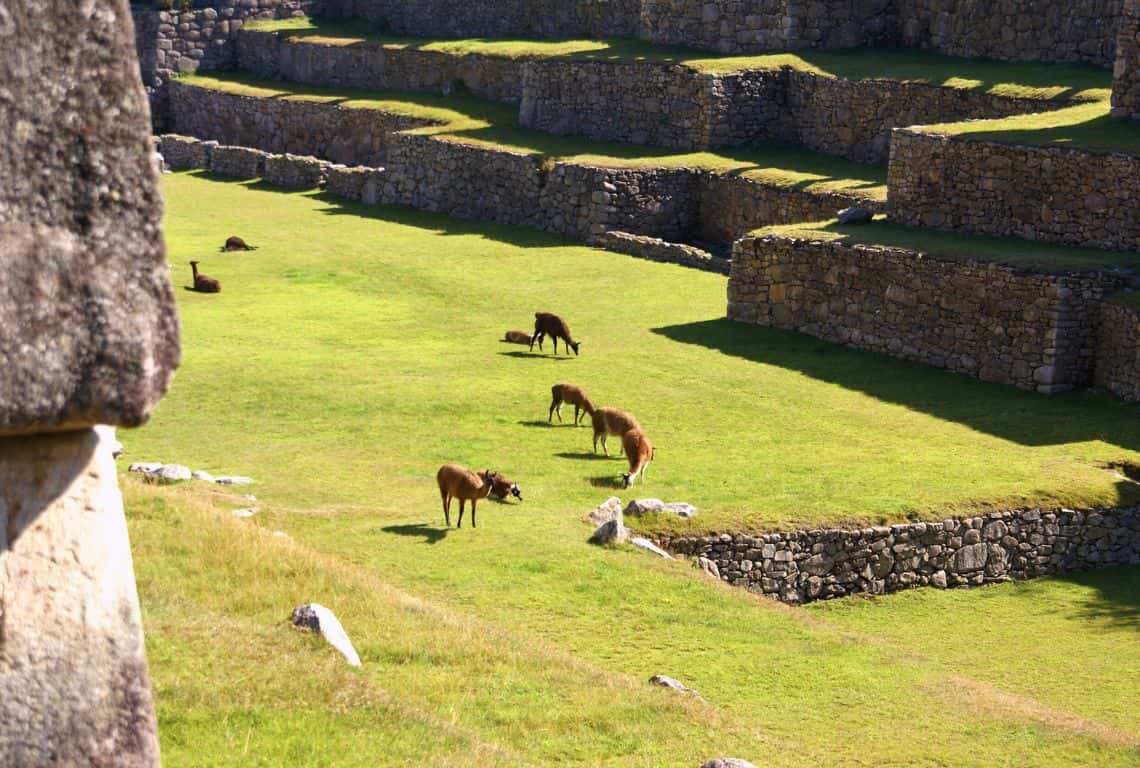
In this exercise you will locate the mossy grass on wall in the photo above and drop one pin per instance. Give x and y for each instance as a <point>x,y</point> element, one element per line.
<point>1022,80</point>
<point>464,118</point>
<point>1087,127</point>
<point>1025,254</point>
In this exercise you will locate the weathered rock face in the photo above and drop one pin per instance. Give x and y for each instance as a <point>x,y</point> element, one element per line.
<point>72,667</point>
<point>88,331</point>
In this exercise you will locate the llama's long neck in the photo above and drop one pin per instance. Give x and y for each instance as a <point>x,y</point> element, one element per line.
<point>194,268</point>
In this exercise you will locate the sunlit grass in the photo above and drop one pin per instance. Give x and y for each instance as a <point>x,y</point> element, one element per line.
<point>949,245</point>
<point>357,349</point>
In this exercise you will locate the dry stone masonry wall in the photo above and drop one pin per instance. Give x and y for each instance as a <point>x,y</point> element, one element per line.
<point>1020,30</point>
<point>986,320</point>
<point>1013,30</point>
<point>1117,357</point>
<point>801,566</point>
<point>1037,193</point>
<point>434,174</point>
<point>645,102</point>
<point>1126,74</point>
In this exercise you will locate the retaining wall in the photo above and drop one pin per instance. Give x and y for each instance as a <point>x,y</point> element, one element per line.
<point>1020,30</point>
<point>1013,30</point>
<point>644,102</point>
<point>1036,193</point>
<point>801,566</point>
<point>1117,357</point>
<point>991,321</point>
<point>434,174</point>
<point>1126,74</point>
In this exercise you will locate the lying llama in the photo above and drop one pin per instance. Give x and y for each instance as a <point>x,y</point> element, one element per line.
<point>202,283</point>
<point>235,243</point>
<point>517,337</point>
<point>501,487</point>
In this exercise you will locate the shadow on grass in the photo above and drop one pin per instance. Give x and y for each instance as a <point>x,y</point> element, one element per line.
<point>607,481</point>
<point>1026,418</point>
<point>582,455</point>
<point>536,423</point>
<point>527,355</point>
<point>1118,595</point>
<point>429,533</point>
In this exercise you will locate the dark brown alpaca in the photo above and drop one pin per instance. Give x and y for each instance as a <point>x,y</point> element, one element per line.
<point>517,337</point>
<point>547,324</point>
<point>202,283</point>
<point>235,243</point>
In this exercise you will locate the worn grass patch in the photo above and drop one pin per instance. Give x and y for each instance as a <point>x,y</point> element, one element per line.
<point>948,245</point>
<point>487,123</point>
<point>1021,80</point>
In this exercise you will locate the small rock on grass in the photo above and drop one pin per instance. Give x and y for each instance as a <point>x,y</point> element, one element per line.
<point>316,617</point>
<point>170,473</point>
<point>676,685</point>
<point>609,509</point>
<point>678,508</point>
<point>203,475</point>
<point>612,531</point>
<point>728,762</point>
<point>246,512</point>
<point>643,543</point>
<point>233,480</point>
<point>855,215</point>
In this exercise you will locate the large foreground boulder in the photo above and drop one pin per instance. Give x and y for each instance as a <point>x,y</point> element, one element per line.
<point>88,330</point>
<point>73,681</point>
<point>316,618</point>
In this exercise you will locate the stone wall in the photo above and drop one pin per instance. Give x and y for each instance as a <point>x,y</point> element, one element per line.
<point>1020,30</point>
<point>1126,74</point>
<point>656,249</point>
<point>270,55</point>
<point>327,131</point>
<point>494,18</point>
<point>730,205</point>
<point>991,321</point>
<point>174,41</point>
<point>1117,357</point>
<point>644,102</point>
<point>801,566</point>
<point>1036,193</point>
<point>434,174</point>
<point>1013,30</point>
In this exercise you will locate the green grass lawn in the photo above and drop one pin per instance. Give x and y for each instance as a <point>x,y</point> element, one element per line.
<point>1023,80</point>
<point>1085,126</point>
<point>483,122</point>
<point>358,349</point>
<point>948,245</point>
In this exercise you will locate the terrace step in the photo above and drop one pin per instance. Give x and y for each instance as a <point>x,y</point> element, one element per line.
<point>465,157</point>
<point>1000,310</point>
<point>1072,177</point>
<point>839,103</point>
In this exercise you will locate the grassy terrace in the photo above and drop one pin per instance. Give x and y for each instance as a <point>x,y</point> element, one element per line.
<point>353,353</point>
<point>472,120</point>
<point>1031,81</point>
<point>948,245</point>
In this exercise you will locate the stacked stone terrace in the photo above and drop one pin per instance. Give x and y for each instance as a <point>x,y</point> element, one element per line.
<point>469,134</point>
